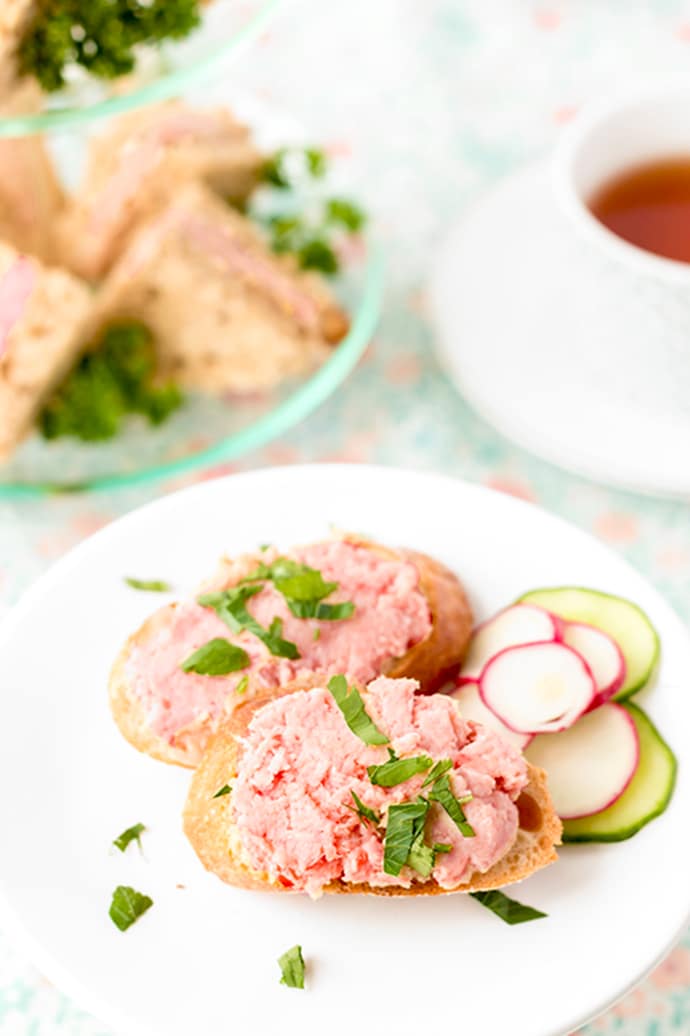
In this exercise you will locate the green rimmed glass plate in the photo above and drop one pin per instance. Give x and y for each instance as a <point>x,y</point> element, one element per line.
<point>206,431</point>
<point>228,27</point>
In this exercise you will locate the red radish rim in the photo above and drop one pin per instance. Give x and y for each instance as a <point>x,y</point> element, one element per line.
<point>531,644</point>
<point>556,623</point>
<point>460,684</point>
<point>606,694</point>
<point>615,798</point>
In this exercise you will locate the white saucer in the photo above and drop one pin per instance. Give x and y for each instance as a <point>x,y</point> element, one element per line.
<point>550,344</point>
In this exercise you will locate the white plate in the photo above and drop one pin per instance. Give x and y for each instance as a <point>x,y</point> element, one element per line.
<point>551,343</point>
<point>203,959</point>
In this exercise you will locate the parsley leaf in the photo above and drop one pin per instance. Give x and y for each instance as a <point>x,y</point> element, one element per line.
<point>352,707</point>
<point>437,770</point>
<point>229,605</point>
<point>292,968</point>
<point>242,685</point>
<point>509,910</point>
<point>132,834</point>
<point>443,794</point>
<point>216,658</point>
<point>303,588</point>
<point>442,847</point>
<point>404,823</point>
<point>364,812</point>
<point>111,380</point>
<point>225,790</point>
<point>397,771</point>
<point>157,586</point>
<point>127,906</point>
<point>345,213</point>
<point>100,35</point>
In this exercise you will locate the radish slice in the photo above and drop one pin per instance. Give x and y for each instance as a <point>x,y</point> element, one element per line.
<point>519,624</point>
<point>537,688</point>
<point>472,707</point>
<point>589,766</point>
<point>602,655</point>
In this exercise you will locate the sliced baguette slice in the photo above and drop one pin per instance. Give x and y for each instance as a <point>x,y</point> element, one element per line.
<point>443,648</point>
<point>209,826</point>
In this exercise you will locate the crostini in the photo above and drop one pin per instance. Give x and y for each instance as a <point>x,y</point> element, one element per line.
<point>42,316</point>
<point>226,313</point>
<point>337,788</point>
<point>265,620</point>
<point>140,164</point>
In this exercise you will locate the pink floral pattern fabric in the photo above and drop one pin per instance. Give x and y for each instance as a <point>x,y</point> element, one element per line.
<point>466,90</point>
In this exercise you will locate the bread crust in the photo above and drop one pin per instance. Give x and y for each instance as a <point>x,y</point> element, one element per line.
<point>444,647</point>
<point>208,823</point>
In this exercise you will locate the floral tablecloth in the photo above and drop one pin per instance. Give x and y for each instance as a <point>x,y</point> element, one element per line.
<point>424,103</point>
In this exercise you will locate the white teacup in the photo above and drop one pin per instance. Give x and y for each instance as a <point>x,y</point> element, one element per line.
<point>573,342</point>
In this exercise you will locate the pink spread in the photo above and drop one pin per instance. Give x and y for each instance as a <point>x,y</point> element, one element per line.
<point>143,152</point>
<point>300,763</point>
<point>391,615</point>
<point>16,286</point>
<point>217,242</point>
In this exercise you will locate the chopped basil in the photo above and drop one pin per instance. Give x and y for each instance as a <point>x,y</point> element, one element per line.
<point>364,812</point>
<point>132,834</point>
<point>157,586</point>
<point>443,794</point>
<point>127,906</point>
<point>422,857</point>
<point>216,658</point>
<point>319,610</point>
<point>356,716</point>
<point>509,910</point>
<point>242,685</point>
<point>292,968</point>
<point>345,213</point>
<point>438,770</point>
<point>442,847</point>
<point>229,605</point>
<point>397,771</point>
<point>317,633</point>
<point>264,546</point>
<point>303,588</point>
<point>404,824</point>
<point>225,790</point>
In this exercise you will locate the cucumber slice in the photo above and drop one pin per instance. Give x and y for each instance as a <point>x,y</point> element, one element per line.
<point>621,619</point>
<point>647,795</point>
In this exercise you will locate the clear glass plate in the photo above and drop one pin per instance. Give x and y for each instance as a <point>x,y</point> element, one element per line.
<point>206,431</point>
<point>228,27</point>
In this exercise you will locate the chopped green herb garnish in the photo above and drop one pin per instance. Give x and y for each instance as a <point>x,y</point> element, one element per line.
<point>317,633</point>
<point>303,588</point>
<point>242,685</point>
<point>422,857</point>
<point>397,771</point>
<point>103,36</point>
<point>317,254</point>
<point>229,605</point>
<point>127,906</point>
<point>437,770</point>
<point>509,910</point>
<point>345,214</point>
<point>292,968</point>
<point>216,658</point>
<point>110,381</point>
<point>352,707</point>
<point>404,824</point>
<point>442,847</point>
<point>264,546</point>
<point>157,586</point>
<point>443,794</point>
<point>132,834</point>
<point>287,166</point>
<point>317,164</point>
<point>365,813</point>
<point>225,790</point>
